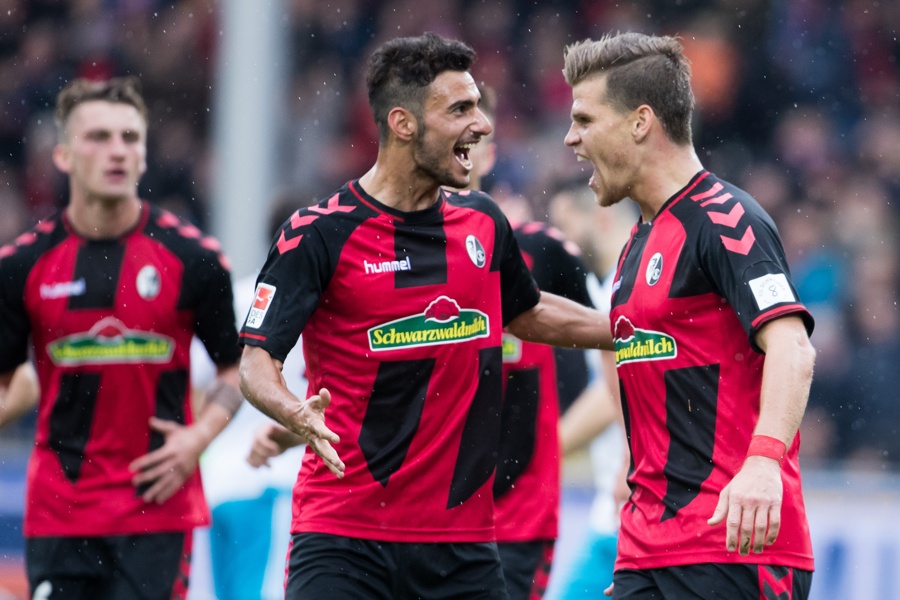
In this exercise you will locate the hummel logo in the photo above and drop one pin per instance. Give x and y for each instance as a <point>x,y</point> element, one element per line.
<point>388,266</point>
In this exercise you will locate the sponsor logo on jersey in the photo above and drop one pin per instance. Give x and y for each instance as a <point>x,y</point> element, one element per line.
<point>475,251</point>
<point>63,290</point>
<point>388,266</point>
<point>261,304</point>
<point>443,322</point>
<point>654,269</point>
<point>148,282</point>
<point>110,342</point>
<point>771,289</point>
<point>512,348</point>
<point>639,345</point>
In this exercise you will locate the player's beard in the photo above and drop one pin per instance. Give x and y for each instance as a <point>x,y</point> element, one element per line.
<point>431,160</point>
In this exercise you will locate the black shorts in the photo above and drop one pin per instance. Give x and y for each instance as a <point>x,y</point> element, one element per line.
<point>139,567</point>
<point>713,582</point>
<point>526,568</point>
<point>343,568</point>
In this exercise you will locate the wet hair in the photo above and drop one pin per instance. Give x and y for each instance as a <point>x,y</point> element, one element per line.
<point>640,69</point>
<point>400,71</point>
<point>124,90</point>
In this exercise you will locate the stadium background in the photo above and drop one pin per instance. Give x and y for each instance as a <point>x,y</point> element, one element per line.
<point>256,102</point>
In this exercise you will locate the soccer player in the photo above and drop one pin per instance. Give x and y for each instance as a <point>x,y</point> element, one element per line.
<point>712,343</point>
<point>110,292</point>
<point>401,290</point>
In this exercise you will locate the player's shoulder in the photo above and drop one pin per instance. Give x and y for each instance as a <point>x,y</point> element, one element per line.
<point>26,248</point>
<point>531,234</point>
<point>183,238</point>
<point>474,200</point>
<point>711,194</point>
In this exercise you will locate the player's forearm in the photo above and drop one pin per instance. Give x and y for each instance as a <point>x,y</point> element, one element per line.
<point>787,375</point>
<point>561,322</point>
<point>19,393</point>
<point>263,386</point>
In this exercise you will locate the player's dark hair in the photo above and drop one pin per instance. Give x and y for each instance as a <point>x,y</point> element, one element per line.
<point>640,69</point>
<point>125,90</point>
<point>400,71</point>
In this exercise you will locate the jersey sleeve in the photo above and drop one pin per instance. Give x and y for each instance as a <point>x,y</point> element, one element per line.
<point>288,290</point>
<point>14,322</point>
<point>214,321</point>
<point>748,265</point>
<point>518,288</point>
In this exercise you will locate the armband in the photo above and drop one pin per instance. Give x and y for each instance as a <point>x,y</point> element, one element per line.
<point>764,445</point>
<point>225,396</point>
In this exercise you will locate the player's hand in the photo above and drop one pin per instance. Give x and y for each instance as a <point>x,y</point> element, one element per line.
<point>609,591</point>
<point>750,505</point>
<point>269,441</point>
<point>308,421</point>
<point>167,468</point>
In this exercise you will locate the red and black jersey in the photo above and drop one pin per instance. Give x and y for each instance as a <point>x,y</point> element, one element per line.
<point>401,314</point>
<point>526,486</point>
<point>691,290</point>
<point>111,323</point>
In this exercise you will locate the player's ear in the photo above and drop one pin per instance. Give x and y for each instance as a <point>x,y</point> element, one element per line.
<point>62,158</point>
<point>642,120</point>
<point>403,123</point>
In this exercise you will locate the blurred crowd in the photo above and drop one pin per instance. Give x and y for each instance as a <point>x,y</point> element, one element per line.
<point>797,102</point>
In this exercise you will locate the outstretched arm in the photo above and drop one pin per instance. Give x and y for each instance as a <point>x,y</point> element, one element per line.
<point>750,504</point>
<point>558,321</point>
<point>263,385</point>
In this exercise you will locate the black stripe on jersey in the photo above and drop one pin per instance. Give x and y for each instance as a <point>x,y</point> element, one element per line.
<point>517,436</point>
<point>691,402</point>
<point>100,264</point>
<point>71,419</point>
<point>628,272</point>
<point>393,414</point>
<point>419,243</point>
<point>626,419</point>
<point>170,394</point>
<point>482,430</point>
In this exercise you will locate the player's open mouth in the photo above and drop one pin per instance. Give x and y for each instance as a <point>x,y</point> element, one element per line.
<point>461,152</point>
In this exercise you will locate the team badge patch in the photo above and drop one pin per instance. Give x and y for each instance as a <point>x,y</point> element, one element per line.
<point>771,289</point>
<point>148,282</point>
<point>475,250</point>
<point>654,269</point>
<point>261,303</point>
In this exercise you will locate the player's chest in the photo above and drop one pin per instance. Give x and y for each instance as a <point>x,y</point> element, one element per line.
<point>389,271</point>
<point>105,290</point>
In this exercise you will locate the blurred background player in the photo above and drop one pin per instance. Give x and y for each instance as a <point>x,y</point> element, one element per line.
<point>245,546</point>
<point>110,291</point>
<point>527,482</point>
<point>594,420</point>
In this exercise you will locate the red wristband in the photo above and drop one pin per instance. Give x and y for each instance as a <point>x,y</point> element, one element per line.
<point>764,445</point>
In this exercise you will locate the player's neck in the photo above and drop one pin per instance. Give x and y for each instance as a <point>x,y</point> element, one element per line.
<point>103,218</point>
<point>662,178</point>
<point>399,188</point>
